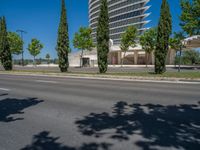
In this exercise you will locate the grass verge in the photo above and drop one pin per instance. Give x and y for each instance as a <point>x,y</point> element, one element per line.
<point>186,75</point>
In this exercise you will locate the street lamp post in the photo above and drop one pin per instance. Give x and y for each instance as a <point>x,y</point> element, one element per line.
<point>21,33</point>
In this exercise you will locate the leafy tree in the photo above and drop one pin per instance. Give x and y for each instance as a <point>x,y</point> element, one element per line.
<point>63,48</point>
<point>177,44</point>
<point>15,42</point>
<point>190,20</point>
<point>163,35</point>
<point>48,58</point>
<point>103,37</point>
<point>191,57</point>
<point>83,41</point>
<point>34,48</point>
<point>128,40</point>
<point>148,41</point>
<point>5,52</point>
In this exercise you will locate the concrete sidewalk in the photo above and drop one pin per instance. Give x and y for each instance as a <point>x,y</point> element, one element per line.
<point>108,77</point>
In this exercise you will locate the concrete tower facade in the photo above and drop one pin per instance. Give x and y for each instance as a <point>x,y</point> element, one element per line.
<point>122,13</point>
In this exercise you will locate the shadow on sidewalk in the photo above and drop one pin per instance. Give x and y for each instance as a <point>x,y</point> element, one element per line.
<point>172,126</point>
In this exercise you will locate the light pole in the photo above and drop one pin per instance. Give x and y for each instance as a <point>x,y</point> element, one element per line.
<point>22,32</point>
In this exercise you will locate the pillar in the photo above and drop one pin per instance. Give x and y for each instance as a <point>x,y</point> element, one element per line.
<point>153,58</point>
<point>119,57</point>
<point>135,57</point>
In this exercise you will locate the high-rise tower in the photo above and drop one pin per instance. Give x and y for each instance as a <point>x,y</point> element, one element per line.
<point>122,13</point>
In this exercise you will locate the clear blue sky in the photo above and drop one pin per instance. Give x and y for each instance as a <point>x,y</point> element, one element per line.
<point>40,18</point>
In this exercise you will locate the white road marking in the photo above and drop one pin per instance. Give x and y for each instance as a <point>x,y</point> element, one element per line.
<point>135,80</point>
<point>45,81</point>
<point>4,89</point>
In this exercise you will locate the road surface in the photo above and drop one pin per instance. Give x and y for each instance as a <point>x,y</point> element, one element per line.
<point>48,113</point>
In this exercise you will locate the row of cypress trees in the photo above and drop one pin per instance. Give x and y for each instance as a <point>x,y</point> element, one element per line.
<point>63,48</point>
<point>163,35</point>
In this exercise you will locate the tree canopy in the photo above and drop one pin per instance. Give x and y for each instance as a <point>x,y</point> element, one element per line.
<point>63,48</point>
<point>15,42</point>
<point>128,39</point>
<point>163,35</point>
<point>35,47</point>
<point>175,42</point>
<point>148,41</point>
<point>103,37</point>
<point>83,39</point>
<point>190,20</point>
<point>5,52</point>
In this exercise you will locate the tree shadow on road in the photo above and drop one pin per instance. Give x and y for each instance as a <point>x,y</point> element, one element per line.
<point>172,126</point>
<point>43,141</point>
<point>13,106</point>
<point>4,94</point>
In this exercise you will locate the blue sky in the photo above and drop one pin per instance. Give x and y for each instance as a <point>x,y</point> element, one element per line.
<point>40,18</point>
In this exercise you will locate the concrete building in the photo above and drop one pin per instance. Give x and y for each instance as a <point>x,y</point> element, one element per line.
<point>122,14</point>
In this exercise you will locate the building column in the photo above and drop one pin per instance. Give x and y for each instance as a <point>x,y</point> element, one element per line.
<point>135,57</point>
<point>119,56</point>
<point>153,58</point>
<point>172,56</point>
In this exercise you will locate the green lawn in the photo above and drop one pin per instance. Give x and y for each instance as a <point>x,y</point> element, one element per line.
<point>167,74</point>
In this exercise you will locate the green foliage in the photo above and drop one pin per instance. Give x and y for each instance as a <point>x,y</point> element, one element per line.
<point>48,58</point>
<point>163,35</point>
<point>148,41</point>
<point>191,57</point>
<point>190,20</point>
<point>83,39</point>
<point>15,42</point>
<point>35,47</point>
<point>62,47</point>
<point>5,52</point>
<point>176,41</point>
<point>103,37</point>
<point>128,39</point>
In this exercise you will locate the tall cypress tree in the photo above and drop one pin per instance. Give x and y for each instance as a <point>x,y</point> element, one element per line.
<point>63,41</point>
<point>103,37</point>
<point>5,52</point>
<point>163,35</point>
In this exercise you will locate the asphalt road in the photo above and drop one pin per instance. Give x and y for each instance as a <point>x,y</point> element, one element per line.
<point>47,113</point>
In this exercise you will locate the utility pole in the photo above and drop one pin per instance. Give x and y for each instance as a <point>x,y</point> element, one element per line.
<point>21,33</point>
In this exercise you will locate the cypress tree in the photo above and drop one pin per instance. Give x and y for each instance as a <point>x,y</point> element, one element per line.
<point>63,41</point>
<point>103,37</point>
<point>163,35</point>
<point>5,52</point>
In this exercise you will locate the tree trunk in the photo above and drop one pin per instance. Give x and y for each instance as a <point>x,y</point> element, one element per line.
<point>81,59</point>
<point>48,62</point>
<point>34,62</point>
<point>122,63</point>
<point>146,57</point>
<point>175,59</point>
<point>179,68</point>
